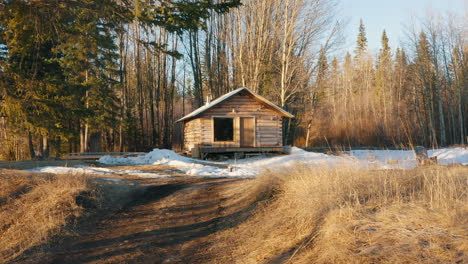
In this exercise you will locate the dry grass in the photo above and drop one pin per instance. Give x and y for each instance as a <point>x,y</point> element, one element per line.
<point>33,207</point>
<point>348,216</point>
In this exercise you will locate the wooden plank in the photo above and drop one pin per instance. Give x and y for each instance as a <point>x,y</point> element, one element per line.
<point>236,149</point>
<point>247,125</point>
<point>269,136</point>
<point>267,129</point>
<point>268,142</point>
<point>267,121</point>
<point>237,133</point>
<point>237,113</point>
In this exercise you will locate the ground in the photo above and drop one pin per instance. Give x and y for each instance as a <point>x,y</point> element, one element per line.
<point>157,209</point>
<point>144,220</point>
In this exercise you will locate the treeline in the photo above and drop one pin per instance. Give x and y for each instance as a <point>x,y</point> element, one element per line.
<point>115,75</point>
<point>400,97</point>
<point>81,75</point>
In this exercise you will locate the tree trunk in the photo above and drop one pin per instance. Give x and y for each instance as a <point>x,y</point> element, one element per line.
<point>45,147</point>
<point>31,146</point>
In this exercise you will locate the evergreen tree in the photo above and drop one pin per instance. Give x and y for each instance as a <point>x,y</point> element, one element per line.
<point>383,80</point>
<point>385,52</point>
<point>361,43</point>
<point>425,81</point>
<point>383,65</point>
<point>348,62</point>
<point>401,72</point>
<point>322,78</point>
<point>59,75</point>
<point>57,68</point>
<point>322,71</point>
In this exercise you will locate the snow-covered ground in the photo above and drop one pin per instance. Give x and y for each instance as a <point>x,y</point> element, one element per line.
<point>405,159</point>
<point>251,167</point>
<point>96,170</point>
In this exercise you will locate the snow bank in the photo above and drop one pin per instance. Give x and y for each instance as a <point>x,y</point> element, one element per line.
<point>98,171</point>
<point>244,168</point>
<point>149,158</point>
<point>384,159</point>
<point>406,159</point>
<point>450,155</point>
<point>187,165</point>
<point>297,155</point>
<point>251,167</point>
<point>367,159</point>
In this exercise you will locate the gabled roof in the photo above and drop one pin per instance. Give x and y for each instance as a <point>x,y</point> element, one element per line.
<point>230,94</point>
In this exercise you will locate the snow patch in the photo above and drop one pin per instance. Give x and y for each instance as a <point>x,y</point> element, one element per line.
<point>251,167</point>
<point>148,158</point>
<point>450,155</point>
<point>97,171</point>
<point>406,159</point>
<point>245,168</point>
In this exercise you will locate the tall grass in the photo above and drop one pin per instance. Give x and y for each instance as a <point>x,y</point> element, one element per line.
<point>34,207</point>
<point>322,215</point>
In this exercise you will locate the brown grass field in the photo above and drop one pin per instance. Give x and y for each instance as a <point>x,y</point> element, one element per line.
<point>317,215</point>
<point>33,207</point>
<point>304,215</point>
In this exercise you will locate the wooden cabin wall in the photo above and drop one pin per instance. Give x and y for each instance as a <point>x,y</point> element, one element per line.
<point>192,133</point>
<point>268,130</point>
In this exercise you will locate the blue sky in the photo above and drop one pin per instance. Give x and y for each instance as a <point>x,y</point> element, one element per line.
<point>391,15</point>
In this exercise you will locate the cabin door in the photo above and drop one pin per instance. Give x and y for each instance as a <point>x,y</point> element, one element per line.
<point>247,131</point>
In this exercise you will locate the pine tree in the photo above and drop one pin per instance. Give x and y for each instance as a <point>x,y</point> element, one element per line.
<point>348,62</point>
<point>321,85</point>
<point>401,72</point>
<point>361,43</point>
<point>348,69</point>
<point>385,52</point>
<point>383,83</point>
<point>335,77</point>
<point>322,72</point>
<point>53,65</point>
<point>60,74</point>
<point>425,71</point>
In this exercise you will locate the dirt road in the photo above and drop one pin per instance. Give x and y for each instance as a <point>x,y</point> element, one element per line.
<point>164,220</point>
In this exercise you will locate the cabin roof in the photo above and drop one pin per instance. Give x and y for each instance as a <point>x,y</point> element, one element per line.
<point>230,94</point>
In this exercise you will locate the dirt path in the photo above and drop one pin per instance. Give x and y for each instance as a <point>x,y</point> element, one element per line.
<point>152,221</point>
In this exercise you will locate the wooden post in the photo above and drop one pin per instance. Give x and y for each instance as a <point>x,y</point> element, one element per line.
<point>196,151</point>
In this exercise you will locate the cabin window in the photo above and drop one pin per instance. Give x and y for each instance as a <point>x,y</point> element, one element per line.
<point>223,129</point>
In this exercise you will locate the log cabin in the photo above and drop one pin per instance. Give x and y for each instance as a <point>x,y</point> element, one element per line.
<point>238,122</point>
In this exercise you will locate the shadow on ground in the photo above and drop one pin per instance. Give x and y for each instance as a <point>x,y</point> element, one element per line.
<point>162,223</point>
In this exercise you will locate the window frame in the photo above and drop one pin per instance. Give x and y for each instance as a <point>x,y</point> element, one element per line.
<point>233,129</point>
<point>236,121</point>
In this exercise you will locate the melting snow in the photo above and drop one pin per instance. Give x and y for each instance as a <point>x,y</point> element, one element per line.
<point>251,167</point>
<point>96,170</point>
<point>405,159</point>
<point>383,159</point>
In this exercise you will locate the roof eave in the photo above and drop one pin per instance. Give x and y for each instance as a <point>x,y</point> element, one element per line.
<point>199,110</point>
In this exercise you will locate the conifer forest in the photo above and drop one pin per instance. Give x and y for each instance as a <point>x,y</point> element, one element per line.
<point>115,75</point>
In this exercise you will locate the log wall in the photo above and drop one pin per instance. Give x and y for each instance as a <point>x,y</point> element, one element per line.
<point>268,123</point>
<point>192,133</point>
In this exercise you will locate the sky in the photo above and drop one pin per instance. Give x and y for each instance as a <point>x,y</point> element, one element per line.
<point>391,15</point>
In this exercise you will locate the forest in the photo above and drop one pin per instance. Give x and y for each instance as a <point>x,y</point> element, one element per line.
<point>115,75</point>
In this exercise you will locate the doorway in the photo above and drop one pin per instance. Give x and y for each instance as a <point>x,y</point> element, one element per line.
<point>247,132</point>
